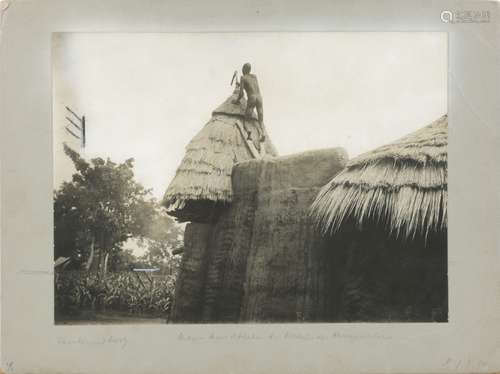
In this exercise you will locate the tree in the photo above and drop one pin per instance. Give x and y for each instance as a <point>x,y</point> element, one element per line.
<point>163,237</point>
<point>101,208</point>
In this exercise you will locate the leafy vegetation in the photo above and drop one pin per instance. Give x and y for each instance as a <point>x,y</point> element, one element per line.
<point>120,291</point>
<point>97,215</point>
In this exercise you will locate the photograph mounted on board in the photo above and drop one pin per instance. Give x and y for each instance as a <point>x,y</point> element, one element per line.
<point>250,177</point>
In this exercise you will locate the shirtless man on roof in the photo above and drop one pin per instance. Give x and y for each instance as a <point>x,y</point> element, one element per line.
<point>250,85</point>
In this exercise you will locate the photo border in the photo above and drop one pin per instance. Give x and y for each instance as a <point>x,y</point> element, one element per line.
<point>32,343</point>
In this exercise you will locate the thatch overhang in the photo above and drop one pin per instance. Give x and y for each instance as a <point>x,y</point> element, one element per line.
<point>201,188</point>
<point>402,185</point>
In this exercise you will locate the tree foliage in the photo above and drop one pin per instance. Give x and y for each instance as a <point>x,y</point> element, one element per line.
<point>162,238</point>
<point>101,208</point>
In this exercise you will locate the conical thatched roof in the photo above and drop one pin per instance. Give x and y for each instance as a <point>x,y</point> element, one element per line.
<point>202,184</point>
<point>402,184</point>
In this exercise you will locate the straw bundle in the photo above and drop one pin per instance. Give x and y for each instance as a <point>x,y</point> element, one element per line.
<point>202,184</point>
<point>402,185</point>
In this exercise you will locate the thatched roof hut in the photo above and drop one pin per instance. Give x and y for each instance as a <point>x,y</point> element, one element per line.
<point>402,185</point>
<point>202,184</point>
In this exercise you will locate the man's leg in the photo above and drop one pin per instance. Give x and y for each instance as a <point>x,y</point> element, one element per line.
<point>260,115</point>
<point>248,115</point>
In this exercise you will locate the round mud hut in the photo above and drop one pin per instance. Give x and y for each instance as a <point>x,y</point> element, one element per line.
<point>385,217</point>
<point>201,188</point>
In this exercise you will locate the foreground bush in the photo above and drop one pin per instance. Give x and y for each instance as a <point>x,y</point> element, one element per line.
<point>119,292</point>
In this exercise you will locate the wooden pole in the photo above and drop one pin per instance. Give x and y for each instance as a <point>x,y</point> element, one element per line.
<point>83,132</point>
<point>251,147</point>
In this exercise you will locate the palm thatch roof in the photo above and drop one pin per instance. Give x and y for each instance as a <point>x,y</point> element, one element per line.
<point>202,184</point>
<point>402,185</point>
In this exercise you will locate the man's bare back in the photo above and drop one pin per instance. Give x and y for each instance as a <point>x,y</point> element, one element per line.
<point>250,84</point>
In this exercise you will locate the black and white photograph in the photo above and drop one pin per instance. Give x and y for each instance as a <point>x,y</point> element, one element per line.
<point>254,187</point>
<point>272,177</point>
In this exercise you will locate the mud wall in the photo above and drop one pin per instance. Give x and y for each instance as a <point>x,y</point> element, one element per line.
<point>384,278</point>
<point>276,285</point>
<point>190,283</point>
<point>262,260</point>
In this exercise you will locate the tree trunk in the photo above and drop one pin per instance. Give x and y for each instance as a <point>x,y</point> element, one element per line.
<point>92,252</point>
<point>105,264</point>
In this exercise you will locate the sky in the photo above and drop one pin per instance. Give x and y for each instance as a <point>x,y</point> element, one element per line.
<point>147,95</point>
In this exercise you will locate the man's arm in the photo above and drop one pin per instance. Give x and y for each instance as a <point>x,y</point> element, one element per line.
<point>240,95</point>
